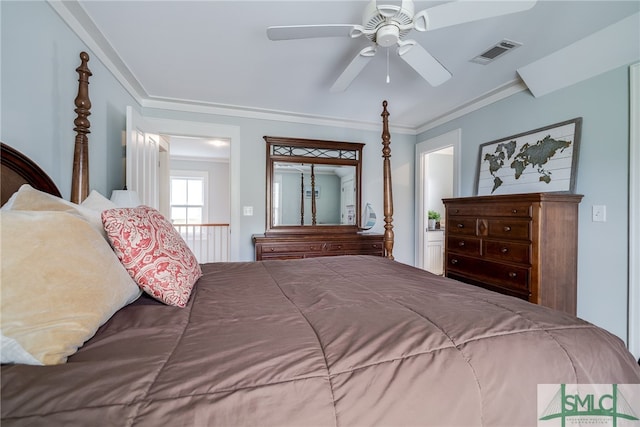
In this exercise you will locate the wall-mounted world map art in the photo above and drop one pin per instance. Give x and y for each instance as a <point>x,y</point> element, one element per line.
<point>541,160</point>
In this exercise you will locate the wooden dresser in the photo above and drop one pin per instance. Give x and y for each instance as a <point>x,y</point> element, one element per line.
<point>290,246</point>
<point>524,245</point>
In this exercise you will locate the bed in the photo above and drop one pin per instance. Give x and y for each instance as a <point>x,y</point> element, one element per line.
<point>336,341</point>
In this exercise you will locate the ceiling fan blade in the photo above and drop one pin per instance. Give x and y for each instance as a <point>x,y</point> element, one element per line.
<point>423,62</point>
<point>459,12</point>
<point>353,69</point>
<point>310,31</point>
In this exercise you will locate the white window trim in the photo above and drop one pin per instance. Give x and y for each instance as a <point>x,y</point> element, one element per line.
<point>174,173</point>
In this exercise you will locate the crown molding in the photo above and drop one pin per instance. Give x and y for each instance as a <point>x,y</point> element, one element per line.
<point>495,95</point>
<point>265,114</point>
<point>74,15</point>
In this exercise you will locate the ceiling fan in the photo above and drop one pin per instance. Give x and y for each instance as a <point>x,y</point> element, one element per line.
<point>385,23</point>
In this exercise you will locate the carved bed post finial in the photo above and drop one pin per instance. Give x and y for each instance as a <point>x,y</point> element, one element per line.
<point>386,171</point>
<point>313,195</point>
<point>80,177</point>
<point>301,198</point>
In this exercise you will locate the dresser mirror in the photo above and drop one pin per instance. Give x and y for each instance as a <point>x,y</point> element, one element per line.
<point>313,186</point>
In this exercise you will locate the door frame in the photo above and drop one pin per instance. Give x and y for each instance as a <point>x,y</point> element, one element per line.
<point>201,129</point>
<point>449,139</point>
<point>633,318</point>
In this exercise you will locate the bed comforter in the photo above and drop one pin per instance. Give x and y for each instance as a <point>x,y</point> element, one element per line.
<point>336,341</point>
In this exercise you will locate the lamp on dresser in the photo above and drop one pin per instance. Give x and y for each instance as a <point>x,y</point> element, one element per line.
<point>125,198</point>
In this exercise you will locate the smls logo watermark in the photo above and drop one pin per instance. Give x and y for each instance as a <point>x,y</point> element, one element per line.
<point>616,405</point>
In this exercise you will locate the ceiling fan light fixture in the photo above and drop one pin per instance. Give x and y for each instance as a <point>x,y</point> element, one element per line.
<point>387,35</point>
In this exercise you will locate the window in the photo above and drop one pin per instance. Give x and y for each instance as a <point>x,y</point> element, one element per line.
<point>188,201</point>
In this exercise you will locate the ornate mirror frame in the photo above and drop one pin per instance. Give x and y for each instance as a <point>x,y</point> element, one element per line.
<point>311,152</point>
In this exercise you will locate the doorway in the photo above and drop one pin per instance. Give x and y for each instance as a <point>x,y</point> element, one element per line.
<point>437,178</point>
<point>198,194</point>
<point>162,126</point>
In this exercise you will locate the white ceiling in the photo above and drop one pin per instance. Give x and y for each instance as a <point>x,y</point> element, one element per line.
<point>193,148</point>
<point>212,54</point>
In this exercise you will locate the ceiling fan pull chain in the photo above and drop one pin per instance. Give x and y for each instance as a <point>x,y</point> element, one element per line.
<point>388,79</point>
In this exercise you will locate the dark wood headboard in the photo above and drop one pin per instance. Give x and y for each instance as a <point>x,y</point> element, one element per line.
<point>18,169</point>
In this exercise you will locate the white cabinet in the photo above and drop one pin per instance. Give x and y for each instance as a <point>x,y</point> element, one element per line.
<point>435,252</point>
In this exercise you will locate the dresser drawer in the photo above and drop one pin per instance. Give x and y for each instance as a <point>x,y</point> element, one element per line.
<point>461,226</point>
<point>506,229</point>
<point>275,248</point>
<point>276,255</point>
<point>463,245</point>
<point>493,273</point>
<point>518,210</point>
<point>507,251</point>
<point>292,246</point>
<point>354,246</point>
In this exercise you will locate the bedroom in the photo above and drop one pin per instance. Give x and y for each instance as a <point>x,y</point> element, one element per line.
<point>35,63</point>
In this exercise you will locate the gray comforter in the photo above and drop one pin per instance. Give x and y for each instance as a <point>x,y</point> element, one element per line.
<point>347,341</point>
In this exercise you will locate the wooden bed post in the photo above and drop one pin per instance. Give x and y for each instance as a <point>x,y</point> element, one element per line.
<point>386,171</point>
<point>80,177</point>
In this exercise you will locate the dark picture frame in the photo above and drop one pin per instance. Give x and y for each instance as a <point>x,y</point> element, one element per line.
<point>536,161</point>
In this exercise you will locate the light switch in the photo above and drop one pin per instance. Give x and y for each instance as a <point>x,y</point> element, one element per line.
<point>247,210</point>
<point>599,213</point>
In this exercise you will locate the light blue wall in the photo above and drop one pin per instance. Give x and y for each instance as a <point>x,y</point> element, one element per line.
<point>39,54</point>
<point>39,85</point>
<point>603,173</point>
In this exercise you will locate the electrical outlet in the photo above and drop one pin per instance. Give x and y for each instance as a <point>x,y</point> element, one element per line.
<point>247,210</point>
<point>599,213</point>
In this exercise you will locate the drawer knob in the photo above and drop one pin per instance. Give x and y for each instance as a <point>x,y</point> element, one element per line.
<point>460,225</point>
<point>515,211</point>
<point>375,246</point>
<point>504,250</point>
<point>512,275</point>
<point>339,246</point>
<point>454,261</point>
<point>507,228</point>
<point>273,249</point>
<point>461,244</point>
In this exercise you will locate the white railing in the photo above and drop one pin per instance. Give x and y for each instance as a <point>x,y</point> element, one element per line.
<point>208,242</point>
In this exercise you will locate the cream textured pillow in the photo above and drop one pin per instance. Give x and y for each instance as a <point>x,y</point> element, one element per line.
<point>153,252</point>
<point>60,281</point>
<point>28,198</point>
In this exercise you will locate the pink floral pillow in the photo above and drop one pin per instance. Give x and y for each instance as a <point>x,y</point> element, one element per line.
<point>153,252</point>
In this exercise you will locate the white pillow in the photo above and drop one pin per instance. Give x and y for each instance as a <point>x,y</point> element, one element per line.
<point>28,198</point>
<point>60,281</point>
<point>97,202</point>
<point>12,352</point>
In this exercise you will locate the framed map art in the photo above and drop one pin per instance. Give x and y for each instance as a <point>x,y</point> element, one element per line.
<point>538,161</point>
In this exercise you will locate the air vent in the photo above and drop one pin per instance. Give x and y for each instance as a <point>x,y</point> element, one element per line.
<point>496,51</point>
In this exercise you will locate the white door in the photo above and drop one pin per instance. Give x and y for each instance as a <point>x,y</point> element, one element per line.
<point>348,203</point>
<point>164,177</point>
<point>429,185</point>
<point>142,165</point>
